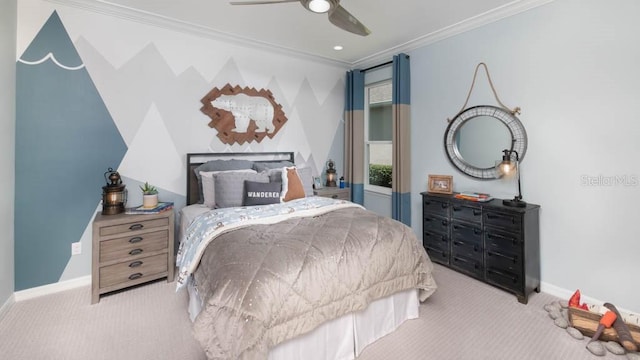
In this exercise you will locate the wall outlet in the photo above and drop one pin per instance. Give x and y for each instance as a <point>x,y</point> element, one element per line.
<point>76,248</point>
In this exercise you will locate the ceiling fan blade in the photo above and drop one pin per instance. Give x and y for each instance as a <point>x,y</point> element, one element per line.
<point>344,20</point>
<point>261,2</point>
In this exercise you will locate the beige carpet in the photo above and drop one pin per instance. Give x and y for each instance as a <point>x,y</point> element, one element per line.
<point>464,319</point>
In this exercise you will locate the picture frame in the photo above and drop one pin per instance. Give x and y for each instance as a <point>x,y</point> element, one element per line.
<point>440,184</point>
<point>317,182</point>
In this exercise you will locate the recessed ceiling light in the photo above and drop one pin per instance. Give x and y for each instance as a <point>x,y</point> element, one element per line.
<point>337,47</point>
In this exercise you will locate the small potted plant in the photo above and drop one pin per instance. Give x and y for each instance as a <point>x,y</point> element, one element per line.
<point>149,196</point>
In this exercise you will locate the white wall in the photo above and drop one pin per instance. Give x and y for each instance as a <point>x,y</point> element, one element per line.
<point>7,144</point>
<point>573,68</point>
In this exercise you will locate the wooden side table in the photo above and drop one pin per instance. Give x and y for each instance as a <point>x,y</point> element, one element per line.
<point>131,249</point>
<point>333,192</point>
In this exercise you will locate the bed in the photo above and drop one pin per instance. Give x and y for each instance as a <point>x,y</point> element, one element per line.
<point>295,276</point>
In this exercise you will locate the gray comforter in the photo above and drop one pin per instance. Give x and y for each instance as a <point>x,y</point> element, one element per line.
<point>264,284</point>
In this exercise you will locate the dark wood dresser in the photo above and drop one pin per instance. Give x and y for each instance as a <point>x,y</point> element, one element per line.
<point>489,241</point>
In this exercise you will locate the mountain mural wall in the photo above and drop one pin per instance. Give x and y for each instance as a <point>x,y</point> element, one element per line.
<point>134,105</point>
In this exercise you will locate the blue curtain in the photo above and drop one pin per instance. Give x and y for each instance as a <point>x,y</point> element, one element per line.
<point>401,107</point>
<point>354,135</point>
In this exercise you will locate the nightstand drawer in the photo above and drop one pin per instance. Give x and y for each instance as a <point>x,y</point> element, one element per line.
<point>133,270</point>
<point>333,193</point>
<point>133,245</point>
<point>133,226</point>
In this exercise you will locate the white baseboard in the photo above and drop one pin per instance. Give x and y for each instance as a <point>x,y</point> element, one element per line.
<point>52,288</point>
<point>6,306</point>
<point>556,291</point>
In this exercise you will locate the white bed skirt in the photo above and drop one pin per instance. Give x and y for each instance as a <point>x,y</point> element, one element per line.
<point>343,338</point>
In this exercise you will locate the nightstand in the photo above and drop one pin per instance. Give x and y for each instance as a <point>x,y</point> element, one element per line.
<point>333,192</point>
<point>131,249</point>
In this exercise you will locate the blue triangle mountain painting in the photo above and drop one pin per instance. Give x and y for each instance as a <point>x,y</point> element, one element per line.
<point>65,141</point>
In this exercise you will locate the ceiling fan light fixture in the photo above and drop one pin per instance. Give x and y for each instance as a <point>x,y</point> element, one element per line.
<point>319,6</point>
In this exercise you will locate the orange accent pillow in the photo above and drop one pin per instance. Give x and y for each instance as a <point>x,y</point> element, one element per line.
<point>294,189</point>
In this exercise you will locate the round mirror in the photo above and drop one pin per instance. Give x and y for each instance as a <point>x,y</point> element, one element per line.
<point>475,138</point>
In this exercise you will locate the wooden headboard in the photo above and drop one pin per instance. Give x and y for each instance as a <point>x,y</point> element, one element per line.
<point>196,159</point>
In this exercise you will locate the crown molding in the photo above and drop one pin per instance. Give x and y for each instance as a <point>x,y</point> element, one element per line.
<point>147,18</point>
<point>488,17</point>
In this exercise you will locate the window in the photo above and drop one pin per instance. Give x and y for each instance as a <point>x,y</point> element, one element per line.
<point>378,137</point>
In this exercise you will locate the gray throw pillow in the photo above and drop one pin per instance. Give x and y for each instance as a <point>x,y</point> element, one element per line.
<point>219,165</point>
<point>257,193</point>
<point>265,165</point>
<point>230,187</point>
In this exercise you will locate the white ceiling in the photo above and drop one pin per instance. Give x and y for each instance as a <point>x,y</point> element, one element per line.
<point>396,25</point>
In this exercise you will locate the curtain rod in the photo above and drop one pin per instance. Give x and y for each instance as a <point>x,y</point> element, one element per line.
<point>380,65</point>
<point>377,66</point>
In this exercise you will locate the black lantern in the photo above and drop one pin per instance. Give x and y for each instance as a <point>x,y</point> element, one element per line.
<point>114,196</point>
<point>507,167</point>
<point>331,174</point>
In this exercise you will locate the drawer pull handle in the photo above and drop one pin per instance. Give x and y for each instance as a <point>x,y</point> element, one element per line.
<point>136,227</point>
<point>135,276</point>
<point>477,231</point>
<point>513,259</point>
<point>135,252</point>
<point>444,238</point>
<point>475,264</point>
<point>456,208</point>
<point>136,239</point>
<point>513,278</point>
<point>444,223</point>
<point>135,264</point>
<point>513,240</point>
<point>334,196</point>
<point>477,212</point>
<point>494,216</point>
<point>444,205</point>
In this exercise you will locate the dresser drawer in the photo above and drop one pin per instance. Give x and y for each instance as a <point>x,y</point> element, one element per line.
<point>435,240</point>
<point>466,232</point>
<point>505,279</point>
<point>511,221</point>
<point>472,267</point>
<point>503,260</point>
<point>133,245</point>
<point>435,206</point>
<point>436,223</point>
<point>502,240</point>
<point>466,213</point>
<point>133,226</point>
<point>134,270</point>
<point>437,254</point>
<point>467,249</point>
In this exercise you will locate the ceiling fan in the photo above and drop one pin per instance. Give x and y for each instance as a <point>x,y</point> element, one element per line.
<point>337,14</point>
